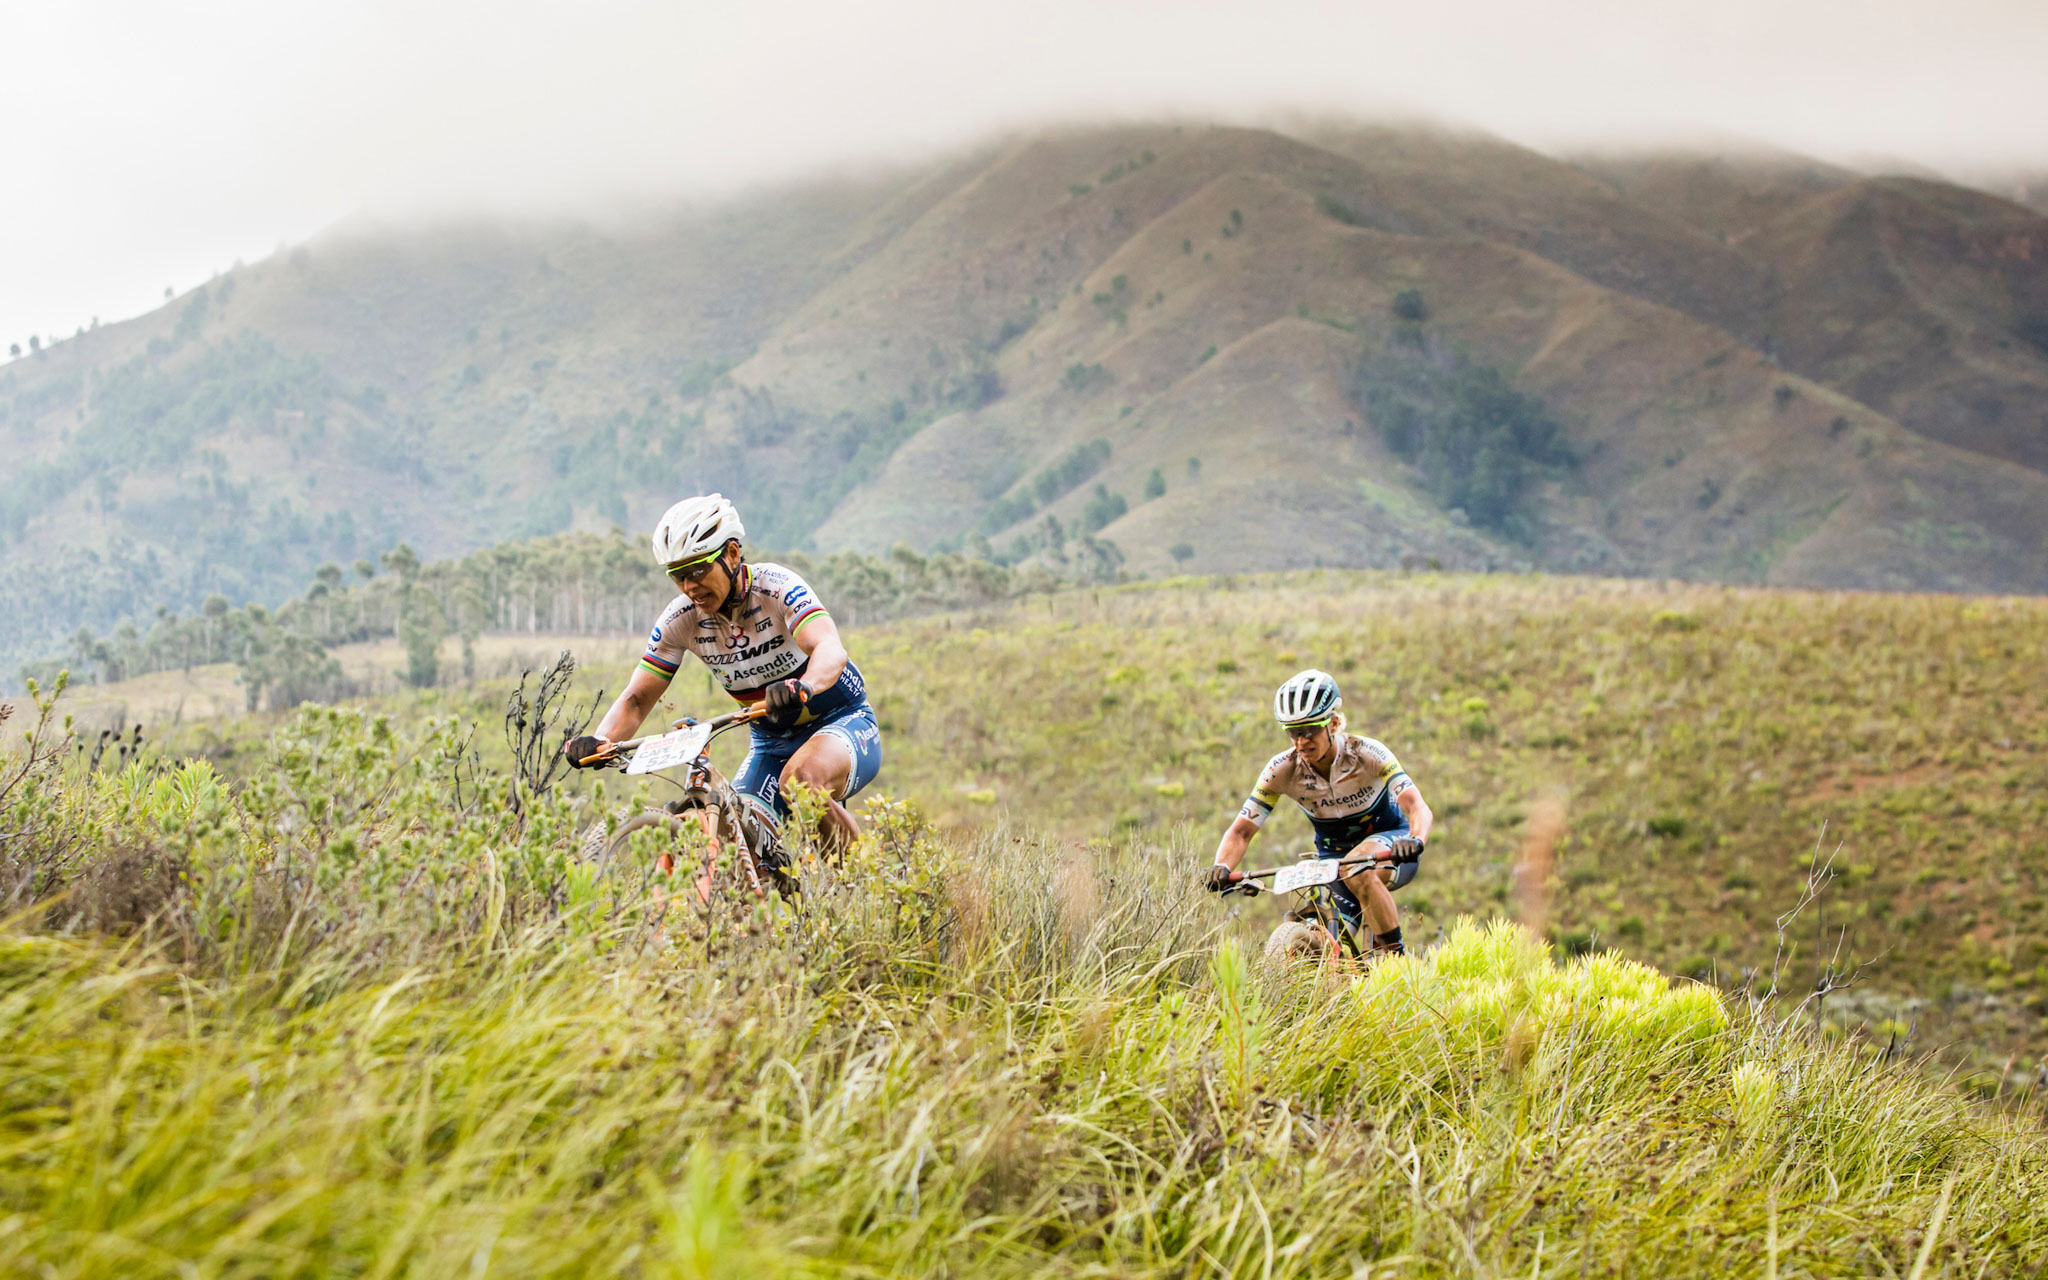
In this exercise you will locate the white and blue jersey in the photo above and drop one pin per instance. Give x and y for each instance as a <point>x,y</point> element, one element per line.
<point>754,646</point>
<point>1358,801</point>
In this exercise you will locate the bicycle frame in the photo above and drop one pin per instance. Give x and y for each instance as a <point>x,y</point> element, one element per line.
<point>708,794</point>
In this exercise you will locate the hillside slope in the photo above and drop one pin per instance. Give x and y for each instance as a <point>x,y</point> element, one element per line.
<point>1924,301</point>
<point>1181,339</point>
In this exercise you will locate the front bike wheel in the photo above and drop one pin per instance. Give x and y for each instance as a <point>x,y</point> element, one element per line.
<point>611,859</point>
<point>1296,940</point>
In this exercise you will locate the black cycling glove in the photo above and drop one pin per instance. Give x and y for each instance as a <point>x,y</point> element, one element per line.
<point>1218,878</point>
<point>580,749</point>
<point>785,702</point>
<point>1405,849</point>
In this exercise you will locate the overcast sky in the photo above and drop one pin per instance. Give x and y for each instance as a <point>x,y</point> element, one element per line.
<point>151,143</point>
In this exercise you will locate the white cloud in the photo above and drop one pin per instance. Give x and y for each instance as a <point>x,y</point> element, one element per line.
<point>149,144</point>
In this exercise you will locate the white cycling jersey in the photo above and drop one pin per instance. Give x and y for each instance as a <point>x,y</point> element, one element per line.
<point>756,645</point>
<point>1357,800</point>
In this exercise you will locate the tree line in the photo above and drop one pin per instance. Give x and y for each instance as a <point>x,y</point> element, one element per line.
<point>570,582</point>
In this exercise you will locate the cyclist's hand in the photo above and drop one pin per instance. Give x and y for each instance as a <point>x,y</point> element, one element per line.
<point>1219,878</point>
<point>1404,849</point>
<point>785,701</point>
<point>580,749</point>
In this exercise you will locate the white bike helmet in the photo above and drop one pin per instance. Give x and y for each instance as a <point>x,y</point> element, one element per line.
<point>1308,696</point>
<point>695,528</point>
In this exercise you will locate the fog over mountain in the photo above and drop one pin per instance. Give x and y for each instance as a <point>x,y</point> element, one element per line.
<point>156,145</point>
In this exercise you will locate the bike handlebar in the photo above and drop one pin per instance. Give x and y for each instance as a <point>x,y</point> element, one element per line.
<point>743,715</point>
<point>1246,881</point>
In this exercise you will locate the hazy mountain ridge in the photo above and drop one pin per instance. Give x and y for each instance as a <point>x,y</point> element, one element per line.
<point>1767,370</point>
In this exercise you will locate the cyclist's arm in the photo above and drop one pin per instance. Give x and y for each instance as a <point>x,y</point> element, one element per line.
<point>1244,828</point>
<point>818,637</point>
<point>1238,838</point>
<point>642,691</point>
<point>1417,809</point>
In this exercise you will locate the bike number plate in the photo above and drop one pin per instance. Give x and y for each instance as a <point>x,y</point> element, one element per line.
<point>670,750</point>
<point>1303,874</point>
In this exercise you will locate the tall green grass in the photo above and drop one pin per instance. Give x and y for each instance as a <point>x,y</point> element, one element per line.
<point>347,1022</point>
<point>1705,744</point>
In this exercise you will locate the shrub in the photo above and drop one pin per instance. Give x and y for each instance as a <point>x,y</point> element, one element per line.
<point>1073,467</point>
<point>1004,512</point>
<point>1478,442</point>
<point>1408,306</point>
<point>1104,508</point>
<point>1083,378</point>
<point>1330,208</point>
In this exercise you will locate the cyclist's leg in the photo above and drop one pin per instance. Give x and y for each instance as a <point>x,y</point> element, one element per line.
<point>1350,911</point>
<point>1373,887</point>
<point>758,784</point>
<point>759,780</point>
<point>838,759</point>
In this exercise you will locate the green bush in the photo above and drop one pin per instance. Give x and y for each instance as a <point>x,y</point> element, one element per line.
<point>1084,378</point>
<point>1332,208</point>
<point>1072,468</point>
<point>1478,442</point>
<point>1104,508</point>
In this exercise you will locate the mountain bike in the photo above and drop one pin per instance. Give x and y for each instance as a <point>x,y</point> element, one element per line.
<point>709,819</point>
<point>1313,929</point>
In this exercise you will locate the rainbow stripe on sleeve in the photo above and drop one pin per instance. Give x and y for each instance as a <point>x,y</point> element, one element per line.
<point>657,667</point>
<point>809,611</point>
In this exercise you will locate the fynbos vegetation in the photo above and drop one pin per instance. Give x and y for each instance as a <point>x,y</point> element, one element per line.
<point>351,1017</point>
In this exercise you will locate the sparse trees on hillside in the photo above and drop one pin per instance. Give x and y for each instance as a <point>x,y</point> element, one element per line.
<point>1477,441</point>
<point>1155,485</point>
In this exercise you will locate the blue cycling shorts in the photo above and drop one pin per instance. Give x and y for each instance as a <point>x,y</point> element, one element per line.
<point>760,774</point>
<point>1348,905</point>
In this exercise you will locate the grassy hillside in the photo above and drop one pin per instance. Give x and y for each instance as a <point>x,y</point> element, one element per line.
<point>380,1023</point>
<point>1706,744</point>
<point>1807,377</point>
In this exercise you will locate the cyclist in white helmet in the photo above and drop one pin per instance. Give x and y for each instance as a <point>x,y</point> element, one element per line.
<point>1357,797</point>
<point>768,640</point>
